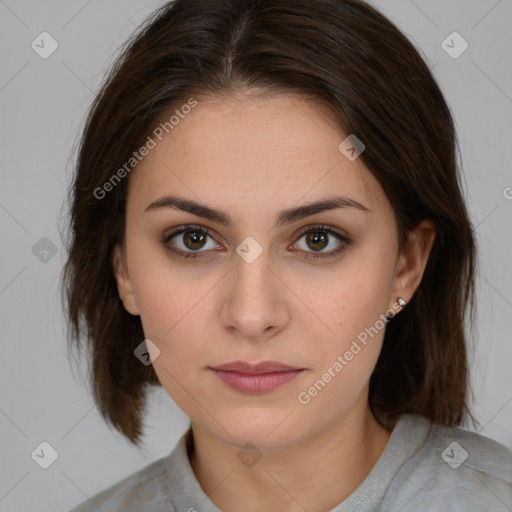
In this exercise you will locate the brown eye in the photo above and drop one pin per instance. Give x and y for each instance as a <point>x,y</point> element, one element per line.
<point>189,241</point>
<point>194,240</point>
<point>318,238</point>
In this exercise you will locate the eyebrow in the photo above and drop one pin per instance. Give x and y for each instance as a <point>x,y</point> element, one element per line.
<point>284,216</point>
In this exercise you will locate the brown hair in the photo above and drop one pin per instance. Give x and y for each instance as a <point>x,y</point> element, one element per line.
<point>345,54</point>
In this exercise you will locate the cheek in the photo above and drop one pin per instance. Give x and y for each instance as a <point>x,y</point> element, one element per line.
<point>354,299</point>
<point>174,310</point>
<point>344,361</point>
<point>168,294</point>
<point>172,319</point>
<point>353,306</point>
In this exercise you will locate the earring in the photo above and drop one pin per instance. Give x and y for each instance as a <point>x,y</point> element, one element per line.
<point>401,302</point>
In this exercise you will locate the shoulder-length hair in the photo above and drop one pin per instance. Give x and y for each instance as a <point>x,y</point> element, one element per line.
<point>346,55</point>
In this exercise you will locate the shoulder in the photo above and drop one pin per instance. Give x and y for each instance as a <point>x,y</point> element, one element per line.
<point>453,469</point>
<point>142,490</point>
<point>474,451</point>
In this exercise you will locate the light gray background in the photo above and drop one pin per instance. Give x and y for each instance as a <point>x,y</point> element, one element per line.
<point>43,104</point>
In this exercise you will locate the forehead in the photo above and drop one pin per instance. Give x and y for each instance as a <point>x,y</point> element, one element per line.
<point>253,153</point>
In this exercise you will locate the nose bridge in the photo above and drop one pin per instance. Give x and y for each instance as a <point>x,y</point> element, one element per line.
<point>252,277</point>
<point>254,301</point>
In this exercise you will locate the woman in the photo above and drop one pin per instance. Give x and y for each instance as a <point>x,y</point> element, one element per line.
<point>267,221</point>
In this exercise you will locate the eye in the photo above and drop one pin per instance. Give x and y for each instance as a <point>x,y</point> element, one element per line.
<point>319,238</point>
<point>190,240</point>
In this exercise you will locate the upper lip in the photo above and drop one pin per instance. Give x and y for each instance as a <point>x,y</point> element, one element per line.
<point>263,367</point>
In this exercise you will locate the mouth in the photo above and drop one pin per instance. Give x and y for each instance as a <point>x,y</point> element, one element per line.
<point>256,378</point>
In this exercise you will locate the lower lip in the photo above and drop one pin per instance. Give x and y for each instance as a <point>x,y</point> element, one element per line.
<point>256,383</point>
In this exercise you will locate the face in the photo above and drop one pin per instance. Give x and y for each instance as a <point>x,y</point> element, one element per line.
<point>253,283</point>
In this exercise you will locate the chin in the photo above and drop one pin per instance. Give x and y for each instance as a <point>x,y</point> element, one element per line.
<point>267,434</point>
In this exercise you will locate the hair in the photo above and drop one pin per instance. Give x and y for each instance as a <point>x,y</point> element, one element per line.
<point>346,55</point>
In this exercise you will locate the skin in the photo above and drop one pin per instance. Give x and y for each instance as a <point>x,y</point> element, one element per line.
<point>252,158</point>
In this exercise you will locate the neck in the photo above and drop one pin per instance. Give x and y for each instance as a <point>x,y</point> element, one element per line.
<point>317,473</point>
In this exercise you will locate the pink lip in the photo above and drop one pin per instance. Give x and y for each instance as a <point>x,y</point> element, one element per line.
<point>256,378</point>
<point>258,368</point>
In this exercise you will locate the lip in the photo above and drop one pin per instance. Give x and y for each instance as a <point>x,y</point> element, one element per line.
<point>256,378</point>
<point>255,368</point>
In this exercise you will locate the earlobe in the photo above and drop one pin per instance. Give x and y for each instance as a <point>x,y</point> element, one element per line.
<point>124,285</point>
<point>412,264</point>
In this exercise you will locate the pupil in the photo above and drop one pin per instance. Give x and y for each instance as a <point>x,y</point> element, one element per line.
<point>195,239</point>
<point>317,238</point>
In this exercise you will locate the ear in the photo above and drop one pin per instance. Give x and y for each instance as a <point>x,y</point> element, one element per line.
<point>412,263</point>
<point>124,285</point>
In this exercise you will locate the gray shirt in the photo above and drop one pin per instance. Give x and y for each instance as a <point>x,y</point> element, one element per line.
<point>423,468</point>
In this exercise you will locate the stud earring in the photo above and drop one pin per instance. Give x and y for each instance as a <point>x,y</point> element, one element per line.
<point>401,302</point>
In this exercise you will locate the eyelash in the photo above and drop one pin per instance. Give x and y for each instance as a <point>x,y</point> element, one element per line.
<point>311,256</point>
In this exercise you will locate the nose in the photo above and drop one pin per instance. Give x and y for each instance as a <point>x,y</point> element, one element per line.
<point>254,301</point>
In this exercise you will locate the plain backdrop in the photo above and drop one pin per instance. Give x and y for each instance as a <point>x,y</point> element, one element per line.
<point>43,102</point>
